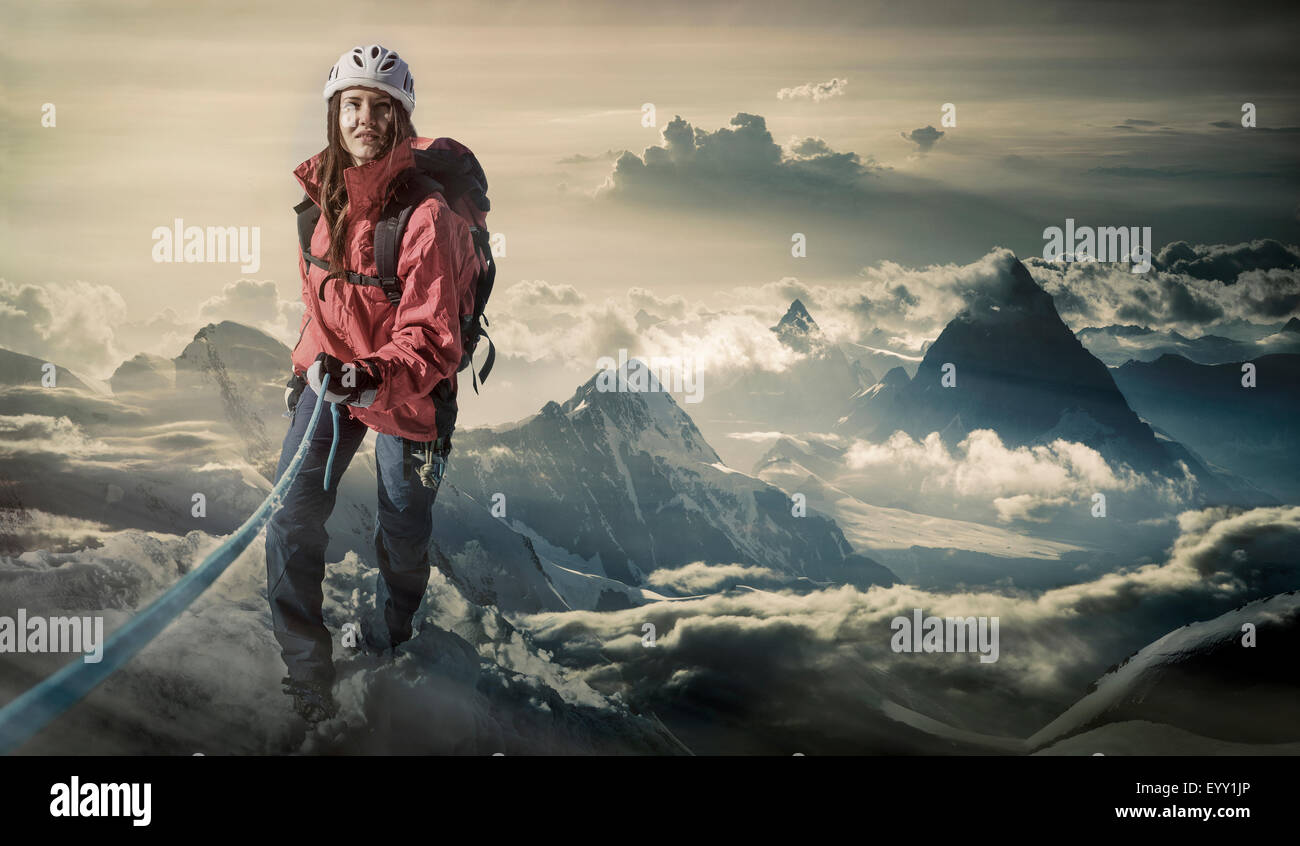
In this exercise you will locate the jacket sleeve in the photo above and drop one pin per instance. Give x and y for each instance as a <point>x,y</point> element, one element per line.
<point>425,346</point>
<point>306,318</point>
<point>302,331</point>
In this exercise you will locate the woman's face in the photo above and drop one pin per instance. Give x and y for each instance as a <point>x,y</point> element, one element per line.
<point>365,119</point>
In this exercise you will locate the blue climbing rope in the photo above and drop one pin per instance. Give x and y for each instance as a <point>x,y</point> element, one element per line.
<point>32,711</point>
<point>334,444</point>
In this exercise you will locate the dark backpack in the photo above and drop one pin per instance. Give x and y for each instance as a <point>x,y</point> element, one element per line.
<point>448,167</point>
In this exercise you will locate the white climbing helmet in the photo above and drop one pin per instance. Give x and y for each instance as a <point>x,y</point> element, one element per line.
<point>373,67</point>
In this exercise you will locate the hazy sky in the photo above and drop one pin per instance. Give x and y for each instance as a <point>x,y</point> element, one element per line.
<point>1102,112</point>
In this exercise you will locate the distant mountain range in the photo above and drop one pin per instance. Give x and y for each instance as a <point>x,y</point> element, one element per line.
<point>1118,344</point>
<point>1251,431</point>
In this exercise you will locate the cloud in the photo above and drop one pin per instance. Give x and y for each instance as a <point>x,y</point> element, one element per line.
<point>579,158</point>
<point>38,433</point>
<point>815,91</point>
<point>757,437</point>
<point>1101,294</point>
<point>538,293</point>
<point>982,479</point>
<point>1170,300</point>
<point>739,172</point>
<point>660,307</point>
<point>741,158</point>
<point>256,304</point>
<point>1225,262</point>
<point>809,147</point>
<point>541,321</point>
<point>164,334</point>
<point>70,324</point>
<point>699,577</point>
<point>924,138</point>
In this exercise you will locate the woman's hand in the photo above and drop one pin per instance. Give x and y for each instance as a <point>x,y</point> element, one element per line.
<point>355,383</point>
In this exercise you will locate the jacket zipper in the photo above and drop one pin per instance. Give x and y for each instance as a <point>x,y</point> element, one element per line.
<point>301,332</point>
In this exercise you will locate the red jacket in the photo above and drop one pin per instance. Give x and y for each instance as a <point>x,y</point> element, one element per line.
<point>414,344</point>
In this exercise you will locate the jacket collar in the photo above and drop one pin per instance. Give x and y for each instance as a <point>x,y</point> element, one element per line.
<point>367,184</point>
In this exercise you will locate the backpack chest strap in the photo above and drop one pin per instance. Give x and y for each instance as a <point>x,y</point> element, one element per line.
<point>391,285</point>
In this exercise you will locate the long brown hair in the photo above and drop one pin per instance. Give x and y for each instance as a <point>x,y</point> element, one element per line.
<point>333,190</point>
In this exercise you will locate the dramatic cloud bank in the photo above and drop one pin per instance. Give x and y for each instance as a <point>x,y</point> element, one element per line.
<point>817,668</point>
<point>887,307</point>
<point>740,158</point>
<point>1017,484</point>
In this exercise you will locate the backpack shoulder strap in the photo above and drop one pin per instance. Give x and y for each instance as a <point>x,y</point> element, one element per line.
<point>413,190</point>
<point>308,214</point>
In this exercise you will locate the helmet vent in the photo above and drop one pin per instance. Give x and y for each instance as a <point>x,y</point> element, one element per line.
<point>388,64</point>
<point>374,52</point>
<point>356,60</point>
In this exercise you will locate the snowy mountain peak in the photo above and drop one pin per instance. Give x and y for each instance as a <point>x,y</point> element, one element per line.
<point>634,378</point>
<point>798,315</point>
<point>621,479</point>
<point>797,329</point>
<point>1008,297</point>
<point>1019,371</point>
<point>637,404</point>
<point>240,349</point>
<point>230,332</point>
